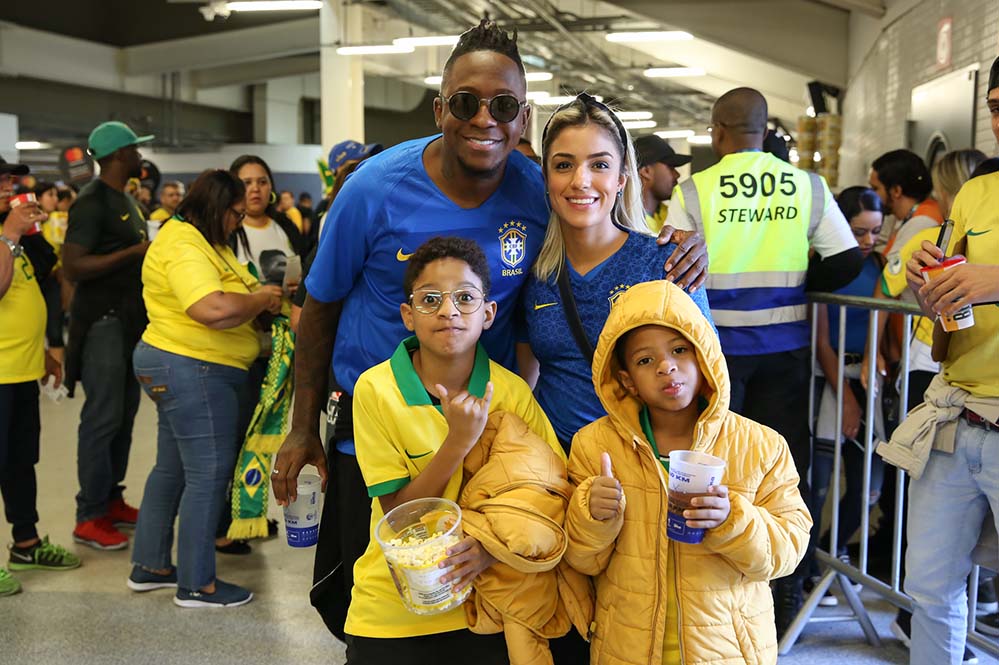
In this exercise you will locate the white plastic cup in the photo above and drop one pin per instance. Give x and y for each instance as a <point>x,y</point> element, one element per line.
<point>301,516</point>
<point>415,537</point>
<point>962,318</point>
<point>55,394</point>
<point>690,474</point>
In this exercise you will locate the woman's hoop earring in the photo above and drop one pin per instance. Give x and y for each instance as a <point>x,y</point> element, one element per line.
<point>273,197</point>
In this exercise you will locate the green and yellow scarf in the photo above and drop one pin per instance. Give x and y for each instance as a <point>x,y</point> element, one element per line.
<point>264,437</point>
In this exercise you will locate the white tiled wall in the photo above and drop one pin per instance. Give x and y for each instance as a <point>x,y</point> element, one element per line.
<point>902,56</point>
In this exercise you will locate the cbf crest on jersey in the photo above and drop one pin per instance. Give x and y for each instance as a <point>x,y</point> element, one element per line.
<point>617,292</point>
<point>513,247</point>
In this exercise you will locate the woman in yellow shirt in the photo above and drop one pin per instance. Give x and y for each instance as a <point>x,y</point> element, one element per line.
<point>192,362</point>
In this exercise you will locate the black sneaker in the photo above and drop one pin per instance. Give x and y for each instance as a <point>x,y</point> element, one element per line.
<point>988,624</point>
<point>226,595</point>
<point>146,580</point>
<point>901,628</point>
<point>827,600</point>
<point>988,602</point>
<point>788,599</point>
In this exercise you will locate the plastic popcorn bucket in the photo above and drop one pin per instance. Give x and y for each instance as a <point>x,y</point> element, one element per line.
<point>415,537</point>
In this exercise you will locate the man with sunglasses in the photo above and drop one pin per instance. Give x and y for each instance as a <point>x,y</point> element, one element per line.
<point>467,182</point>
<point>759,216</point>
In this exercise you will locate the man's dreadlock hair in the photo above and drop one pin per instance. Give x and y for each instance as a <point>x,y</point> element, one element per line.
<point>486,36</point>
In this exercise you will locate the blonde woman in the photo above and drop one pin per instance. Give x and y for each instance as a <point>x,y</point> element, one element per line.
<point>597,246</point>
<point>951,172</point>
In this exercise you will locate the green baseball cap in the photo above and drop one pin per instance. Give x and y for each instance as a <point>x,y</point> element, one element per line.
<point>110,136</point>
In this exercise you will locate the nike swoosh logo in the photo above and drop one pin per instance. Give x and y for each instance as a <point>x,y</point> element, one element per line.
<point>124,217</point>
<point>543,305</point>
<point>27,558</point>
<point>972,232</point>
<point>402,256</point>
<point>417,456</point>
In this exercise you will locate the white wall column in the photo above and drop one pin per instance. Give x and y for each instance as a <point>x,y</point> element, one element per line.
<point>341,77</point>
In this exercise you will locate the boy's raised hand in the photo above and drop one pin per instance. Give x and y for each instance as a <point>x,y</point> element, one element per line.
<point>709,511</point>
<point>605,492</point>
<point>466,415</point>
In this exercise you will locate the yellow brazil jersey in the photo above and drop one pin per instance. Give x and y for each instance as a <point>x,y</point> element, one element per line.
<point>971,357</point>
<point>159,215</point>
<point>656,220</point>
<point>398,430</point>
<point>894,284</point>
<point>22,325</point>
<point>180,269</point>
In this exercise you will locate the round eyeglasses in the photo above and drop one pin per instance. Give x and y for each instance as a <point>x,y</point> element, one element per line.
<point>503,108</point>
<point>428,301</point>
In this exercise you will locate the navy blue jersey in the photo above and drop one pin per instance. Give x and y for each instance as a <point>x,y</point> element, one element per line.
<point>565,386</point>
<point>387,208</point>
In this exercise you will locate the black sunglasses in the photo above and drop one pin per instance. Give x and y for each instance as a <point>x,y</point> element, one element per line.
<point>503,108</point>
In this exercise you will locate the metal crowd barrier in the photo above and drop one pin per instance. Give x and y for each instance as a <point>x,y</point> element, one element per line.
<point>838,571</point>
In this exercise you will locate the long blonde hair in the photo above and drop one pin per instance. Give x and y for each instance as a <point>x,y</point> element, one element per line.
<point>954,169</point>
<point>628,211</point>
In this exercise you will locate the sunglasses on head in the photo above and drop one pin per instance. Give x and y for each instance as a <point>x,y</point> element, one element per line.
<point>465,105</point>
<point>588,100</point>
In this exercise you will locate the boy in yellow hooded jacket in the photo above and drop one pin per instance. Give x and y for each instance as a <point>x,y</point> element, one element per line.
<point>661,375</point>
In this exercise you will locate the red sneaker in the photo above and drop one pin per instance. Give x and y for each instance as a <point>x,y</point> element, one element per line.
<point>122,515</point>
<point>100,534</point>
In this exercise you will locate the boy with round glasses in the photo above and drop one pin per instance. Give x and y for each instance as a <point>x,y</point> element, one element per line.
<point>464,182</point>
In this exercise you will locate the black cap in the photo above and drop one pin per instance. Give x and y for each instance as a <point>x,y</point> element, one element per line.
<point>13,169</point>
<point>651,149</point>
<point>993,77</point>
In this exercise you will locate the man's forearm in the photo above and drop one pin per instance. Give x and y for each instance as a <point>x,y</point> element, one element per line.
<point>313,353</point>
<point>834,272</point>
<point>79,264</point>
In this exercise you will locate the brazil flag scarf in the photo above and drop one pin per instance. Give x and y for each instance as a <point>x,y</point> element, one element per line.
<point>264,437</point>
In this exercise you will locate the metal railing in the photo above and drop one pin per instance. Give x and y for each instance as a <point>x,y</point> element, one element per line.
<point>837,571</point>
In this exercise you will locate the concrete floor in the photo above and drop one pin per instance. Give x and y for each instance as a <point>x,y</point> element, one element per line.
<point>90,616</point>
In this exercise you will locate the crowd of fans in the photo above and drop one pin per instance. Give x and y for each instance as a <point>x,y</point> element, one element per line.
<point>450,287</point>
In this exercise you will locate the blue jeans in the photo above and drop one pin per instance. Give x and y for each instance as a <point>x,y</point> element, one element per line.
<point>105,432</point>
<point>198,405</point>
<point>947,506</point>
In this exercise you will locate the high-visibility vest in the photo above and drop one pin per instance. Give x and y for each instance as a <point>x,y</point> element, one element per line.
<point>757,214</point>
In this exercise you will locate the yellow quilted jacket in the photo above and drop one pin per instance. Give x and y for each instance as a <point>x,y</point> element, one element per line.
<point>513,502</point>
<point>725,607</point>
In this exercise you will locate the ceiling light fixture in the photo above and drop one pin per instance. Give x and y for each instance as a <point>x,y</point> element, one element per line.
<point>699,139</point>
<point>535,95</point>
<point>634,115</point>
<point>539,76</point>
<point>434,80</point>
<point>650,36</point>
<point>432,40</point>
<point>673,72</point>
<point>639,124</point>
<point>675,133</point>
<point>31,145</point>
<point>374,49</point>
<point>559,100</point>
<point>274,5</point>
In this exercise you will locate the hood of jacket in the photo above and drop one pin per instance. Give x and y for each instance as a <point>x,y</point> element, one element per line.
<point>661,303</point>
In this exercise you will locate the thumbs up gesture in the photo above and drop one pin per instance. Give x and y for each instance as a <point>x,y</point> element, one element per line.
<point>605,492</point>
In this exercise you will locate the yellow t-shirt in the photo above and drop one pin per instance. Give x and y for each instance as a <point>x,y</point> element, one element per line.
<point>656,220</point>
<point>22,325</point>
<point>894,284</point>
<point>971,357</point>
<point>398,432</point>
<point>180,269</point>
<point>295,215</point>
<point>54,232</point>
<point>159,215</point>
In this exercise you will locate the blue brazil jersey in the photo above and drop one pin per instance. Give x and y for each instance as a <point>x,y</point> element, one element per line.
<point>565,385</point>
<point>388,208</point>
